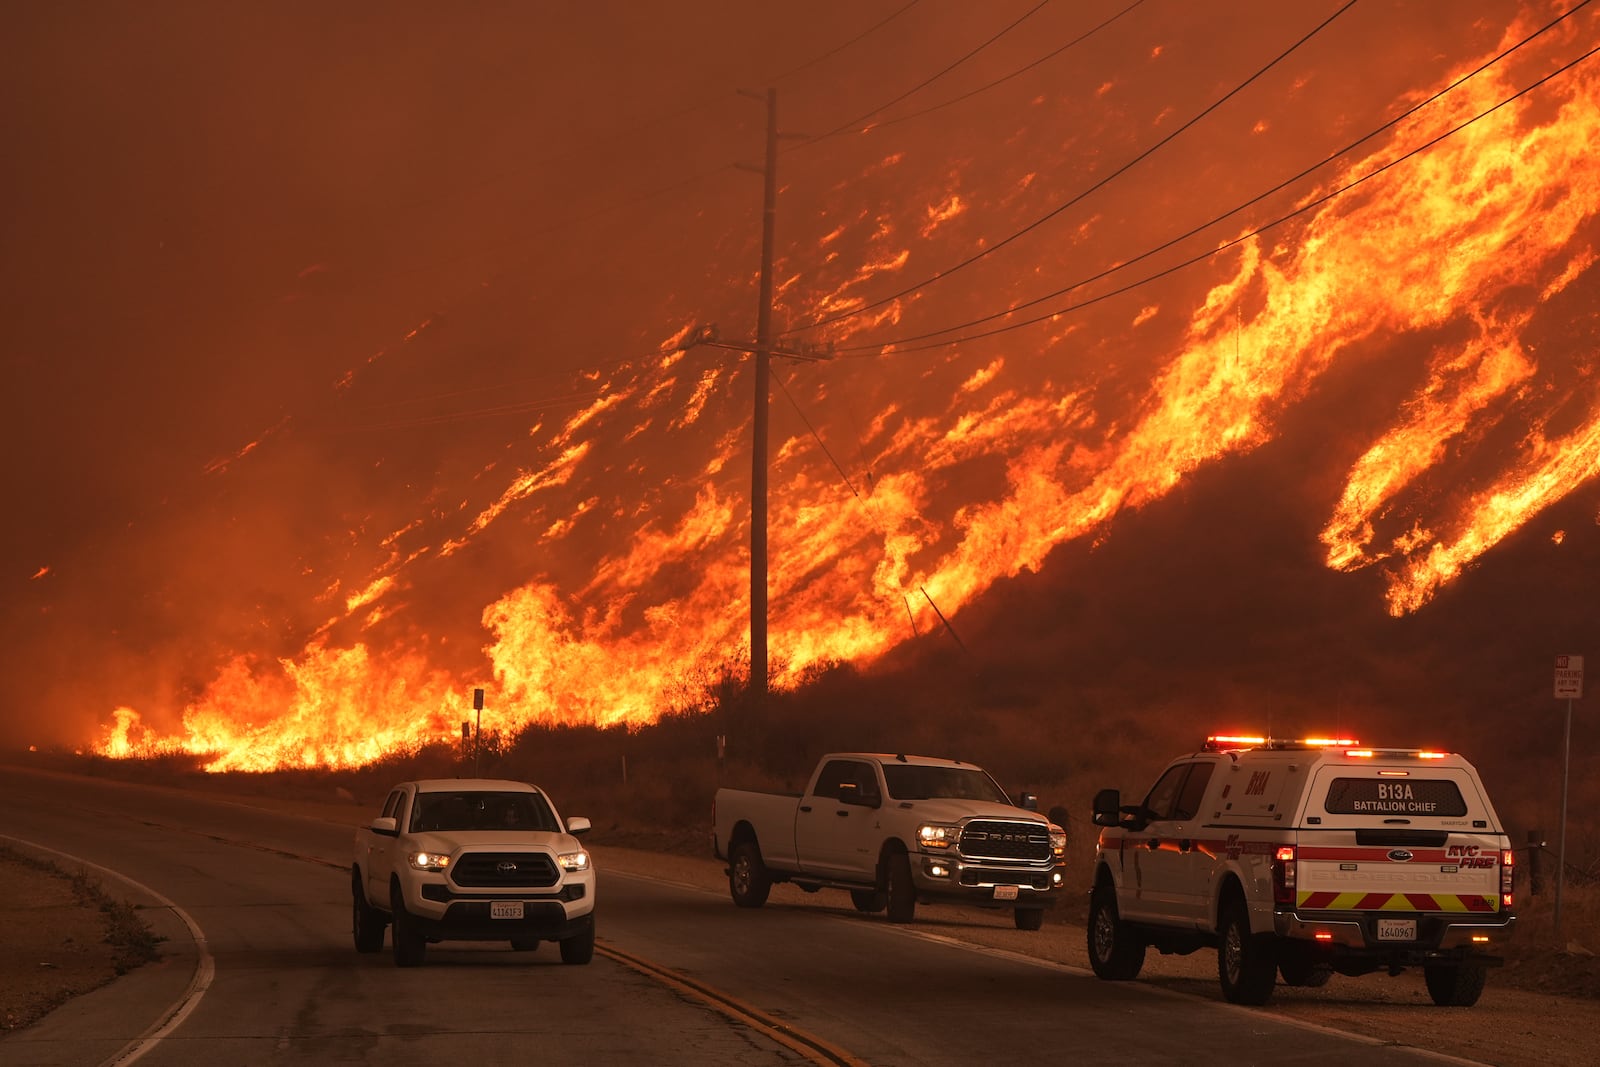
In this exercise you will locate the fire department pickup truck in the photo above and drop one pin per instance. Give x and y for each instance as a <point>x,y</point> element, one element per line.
<point>471,859</point>
<point>1302,859</point>
<point>893,830</point>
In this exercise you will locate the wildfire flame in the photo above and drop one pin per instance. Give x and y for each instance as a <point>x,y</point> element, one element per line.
<point>1464,245</point>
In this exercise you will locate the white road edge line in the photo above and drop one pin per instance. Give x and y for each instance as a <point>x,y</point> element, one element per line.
<point>204,971</point>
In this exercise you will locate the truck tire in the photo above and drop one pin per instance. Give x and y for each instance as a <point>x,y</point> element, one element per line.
<point>579,948</point>
<point>1028,918</point>
<point>1115,952</point>
<point>1247,964</point>
<point>869,901</point>
<point>366,922</point>
<point>410,944</point>
<point>524,944</point>
<point>1455,985</point>
<point>749,881</point>
<point>902,893</point>
<point>1297,970</point>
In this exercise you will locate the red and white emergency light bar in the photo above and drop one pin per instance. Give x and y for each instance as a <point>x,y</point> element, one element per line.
<point>1352,747</point>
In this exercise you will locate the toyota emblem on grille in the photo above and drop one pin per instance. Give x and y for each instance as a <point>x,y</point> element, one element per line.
<point>505,866</point>
<point>1400,855</point>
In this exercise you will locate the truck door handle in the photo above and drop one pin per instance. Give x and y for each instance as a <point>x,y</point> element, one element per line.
<point>805,807</point>
<point>843,813</point>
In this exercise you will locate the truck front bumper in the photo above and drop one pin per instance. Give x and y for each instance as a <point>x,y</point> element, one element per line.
<point>1008,885</point>
<point>470,920</point>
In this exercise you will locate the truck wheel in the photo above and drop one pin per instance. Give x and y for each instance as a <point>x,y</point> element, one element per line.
<point>749,882</point>
<point>579,948</point>
<point>366,922</point>
<point>1247,964</point>
<point>902,894</point>
<point>869,901</point>
<point>410,944</point>
<point>1115,952</point>
<point>1455,985</point>
<point>1304,973</point>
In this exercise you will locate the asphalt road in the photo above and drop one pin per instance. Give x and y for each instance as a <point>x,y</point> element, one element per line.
<point>258,968</point>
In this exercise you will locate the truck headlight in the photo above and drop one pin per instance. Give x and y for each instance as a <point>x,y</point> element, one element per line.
<point>938,835</point>
<point>573,861</point>
<point>429,861</point>
<point>1058,841</point>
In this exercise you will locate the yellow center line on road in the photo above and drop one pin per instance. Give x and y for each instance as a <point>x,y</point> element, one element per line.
<point>813,1048</point>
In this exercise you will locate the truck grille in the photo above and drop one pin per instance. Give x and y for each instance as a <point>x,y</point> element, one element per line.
<point>986,839</point>
<point>504,870</point>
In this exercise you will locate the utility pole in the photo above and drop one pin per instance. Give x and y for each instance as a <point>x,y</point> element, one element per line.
<point>762,350</point>
<point>758,457</point>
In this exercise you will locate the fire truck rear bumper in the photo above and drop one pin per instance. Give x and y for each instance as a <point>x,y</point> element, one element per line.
<point>1358,934</point>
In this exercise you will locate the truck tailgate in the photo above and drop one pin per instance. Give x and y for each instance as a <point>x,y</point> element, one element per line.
<point>1448,878</point>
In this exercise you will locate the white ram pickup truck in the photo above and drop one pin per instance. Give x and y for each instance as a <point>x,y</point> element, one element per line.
<point>472,859</point>
<point>893,830</point>
<point>1303,859</point>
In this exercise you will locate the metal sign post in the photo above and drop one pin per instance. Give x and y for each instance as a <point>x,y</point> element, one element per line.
<point>1569,684</point>
<point>477,743</point>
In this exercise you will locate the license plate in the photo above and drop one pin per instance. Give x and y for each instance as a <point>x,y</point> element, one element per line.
<point>1005,892</point>
<point>1397,929</point>
<point>505,909</point>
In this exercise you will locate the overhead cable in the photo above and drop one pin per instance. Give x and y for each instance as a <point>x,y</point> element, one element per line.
<point>1113,175</point>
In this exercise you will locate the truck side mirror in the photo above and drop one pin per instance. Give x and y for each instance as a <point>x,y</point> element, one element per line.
<point>1108,808</point>
<point>1028,801</point>
<point>386,825</point>
<point>852,793</point>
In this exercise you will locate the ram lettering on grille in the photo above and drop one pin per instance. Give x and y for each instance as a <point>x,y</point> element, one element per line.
<point>1005,841</point>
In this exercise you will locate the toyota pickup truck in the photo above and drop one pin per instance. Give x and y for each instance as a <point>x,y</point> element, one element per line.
<point>893,830</point>
<point>472,860</point>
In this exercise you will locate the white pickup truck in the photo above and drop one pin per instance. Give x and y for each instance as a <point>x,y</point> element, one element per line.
<point>893,830</point>
<point>1302,859</point>
<point>472,860</point>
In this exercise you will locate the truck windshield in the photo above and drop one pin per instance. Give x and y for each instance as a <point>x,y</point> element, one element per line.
<point>913,782</point>
<point>478,810</point>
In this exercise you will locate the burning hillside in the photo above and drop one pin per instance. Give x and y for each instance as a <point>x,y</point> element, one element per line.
<point>1051,298</point>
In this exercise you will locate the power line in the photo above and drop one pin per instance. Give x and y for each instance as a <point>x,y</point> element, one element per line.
<point>933,78</point>
<point>1256,232</point>
<point>998,81</point>
<point>991,249</point>
<point>791,72</point>
<point>1179,239</point>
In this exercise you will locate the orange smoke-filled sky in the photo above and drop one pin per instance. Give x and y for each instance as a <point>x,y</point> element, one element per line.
<point>347,357</point>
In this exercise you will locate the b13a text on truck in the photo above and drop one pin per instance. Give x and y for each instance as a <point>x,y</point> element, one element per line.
<point>1298,860</point>
<point>893,830</point>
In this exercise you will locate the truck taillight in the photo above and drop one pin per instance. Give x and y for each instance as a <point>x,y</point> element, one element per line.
<point>1283,875</point>
<point>1508,873</point>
